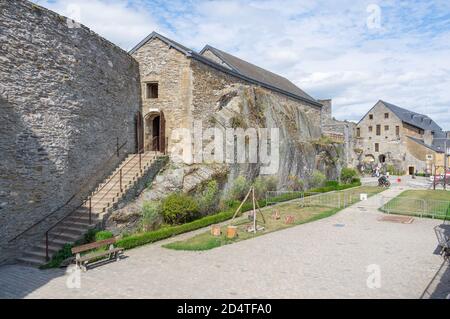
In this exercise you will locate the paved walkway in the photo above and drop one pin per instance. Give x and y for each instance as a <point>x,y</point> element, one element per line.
<point>329,258</point>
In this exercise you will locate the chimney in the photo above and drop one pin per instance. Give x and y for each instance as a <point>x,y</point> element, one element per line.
<point>428,137</point>
<point>326,114</point>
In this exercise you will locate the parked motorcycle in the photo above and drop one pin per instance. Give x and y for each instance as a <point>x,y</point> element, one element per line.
<point>384,182</point>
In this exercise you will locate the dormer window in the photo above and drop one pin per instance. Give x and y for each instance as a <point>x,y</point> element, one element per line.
<point>152,90</point>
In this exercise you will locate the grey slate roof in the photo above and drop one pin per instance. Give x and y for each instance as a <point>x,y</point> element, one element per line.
<point>413,118</point>
<point>240,69</point>
<point>421,142</point>
<point>255,72</point>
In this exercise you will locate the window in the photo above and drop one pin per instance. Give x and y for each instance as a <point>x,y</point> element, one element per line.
<point>377,147</point>
<point>397,130</point>
<point>370,129</point>
<point>386,115</point>
<point>358,132</point>
<point>152,90</point>
<point>386,127</point>
<point>378,129</point>
<point>370,116</point>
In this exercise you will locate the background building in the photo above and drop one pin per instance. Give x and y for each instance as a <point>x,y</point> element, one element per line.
<point>407,141</point>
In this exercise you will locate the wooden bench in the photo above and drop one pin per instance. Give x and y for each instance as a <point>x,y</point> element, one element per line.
<point>82,260</point>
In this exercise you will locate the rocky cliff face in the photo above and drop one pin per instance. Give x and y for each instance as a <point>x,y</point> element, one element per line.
<point>301,148</point>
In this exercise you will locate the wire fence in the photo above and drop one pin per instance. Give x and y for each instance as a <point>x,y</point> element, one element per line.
<point>416,207</point>
<point>335,199</point>
<point>341,199</point>
<point>275,197</point>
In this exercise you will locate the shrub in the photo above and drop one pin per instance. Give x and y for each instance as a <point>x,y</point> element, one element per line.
<point>207,200</point>
<point>295,184</point>
<point>331,184</point>
<point>317,179</point>
<point>151,211</point>
<point>102,235</point>
<point>179,208</point>
<point>264,184</point>
<point>89,236</point>
<point>240,188</point>
<point>394,170</point>
<point>349,175</point>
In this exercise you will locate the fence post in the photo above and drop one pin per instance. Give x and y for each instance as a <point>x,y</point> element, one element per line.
<point>120,180</point>
<point>90,210</point>
<point>47,258</point>
<point>117,148</point>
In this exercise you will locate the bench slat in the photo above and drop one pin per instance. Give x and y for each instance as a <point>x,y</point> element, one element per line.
<point>99,254</point>
<point>97,244</point>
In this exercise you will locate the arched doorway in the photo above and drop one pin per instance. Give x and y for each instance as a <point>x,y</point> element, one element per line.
<point>382,158</point>
<point>155,132</point>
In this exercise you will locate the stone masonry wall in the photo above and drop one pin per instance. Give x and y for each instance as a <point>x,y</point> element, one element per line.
<point>66,95</point>
<point>170,69</point>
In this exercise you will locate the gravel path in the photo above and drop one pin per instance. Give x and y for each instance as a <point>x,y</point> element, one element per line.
<point>328,258</point>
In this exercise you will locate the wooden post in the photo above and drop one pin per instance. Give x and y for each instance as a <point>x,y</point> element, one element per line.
<point>242,203</point>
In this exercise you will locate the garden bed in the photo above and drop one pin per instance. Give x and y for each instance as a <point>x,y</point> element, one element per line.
<point>314,208</point>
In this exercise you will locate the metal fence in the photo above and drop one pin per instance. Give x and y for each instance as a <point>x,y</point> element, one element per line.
<point>416,207</point>
<point>274,197</point>
<point>340,199</point>
<point>335,199</point>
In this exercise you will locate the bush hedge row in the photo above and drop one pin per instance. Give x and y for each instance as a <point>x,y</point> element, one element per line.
<point>167,232</point>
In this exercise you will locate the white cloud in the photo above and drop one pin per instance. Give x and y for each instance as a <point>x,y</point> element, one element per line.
<point>323,46</point>
<point>123,22</point>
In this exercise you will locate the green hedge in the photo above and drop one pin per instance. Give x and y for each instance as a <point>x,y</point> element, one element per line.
<point>167,232</point>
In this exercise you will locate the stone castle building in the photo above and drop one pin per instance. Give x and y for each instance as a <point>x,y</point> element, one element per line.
<point>391,135</point>
<point>179,86</point>
<point>74,106</point>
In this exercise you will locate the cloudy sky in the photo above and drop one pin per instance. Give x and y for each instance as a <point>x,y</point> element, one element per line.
<point>353,51</point>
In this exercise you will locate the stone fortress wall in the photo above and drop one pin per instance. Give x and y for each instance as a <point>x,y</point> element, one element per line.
<point>66,95</point>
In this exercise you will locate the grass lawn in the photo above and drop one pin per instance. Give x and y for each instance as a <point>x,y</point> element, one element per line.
<point>425,203</point>
<point>313,208</point>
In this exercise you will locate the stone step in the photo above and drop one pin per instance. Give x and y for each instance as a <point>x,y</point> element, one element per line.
<point>103,199</point>
<point>73,230</point>
<point>66,236</point>
<point>52,248</point>
<point>32,261</point>
<point>78,222</point>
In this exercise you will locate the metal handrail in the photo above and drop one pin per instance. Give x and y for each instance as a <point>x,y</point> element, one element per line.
<point>120,172</point>
<point>69,200</point>
<point>89,199</point>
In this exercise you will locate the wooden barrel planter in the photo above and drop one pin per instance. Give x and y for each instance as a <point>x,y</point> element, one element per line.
<point>231,232</point>
<point>215,230</point>
<point>289,219</point>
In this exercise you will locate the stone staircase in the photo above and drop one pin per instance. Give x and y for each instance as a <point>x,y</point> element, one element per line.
<point>102,200</point>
